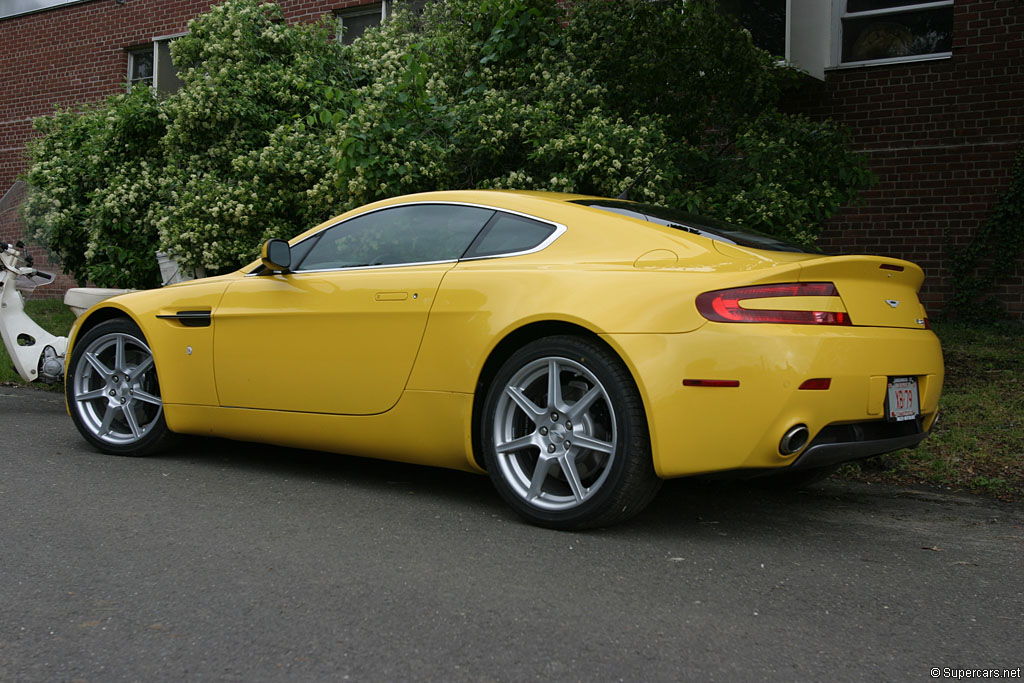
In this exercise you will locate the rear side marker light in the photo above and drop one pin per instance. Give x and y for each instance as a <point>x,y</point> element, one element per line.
<point>711,382</point>
<point>817,384</point>
<point>724,306</point>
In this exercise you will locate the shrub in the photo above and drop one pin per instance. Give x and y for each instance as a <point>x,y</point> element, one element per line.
<point>237,167</point>
<point>278,127</point>
<point>95,179</point>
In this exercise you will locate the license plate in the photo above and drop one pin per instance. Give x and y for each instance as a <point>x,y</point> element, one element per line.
<point>902,402</point>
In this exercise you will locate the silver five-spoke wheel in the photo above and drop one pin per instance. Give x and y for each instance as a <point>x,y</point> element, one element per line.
<point>113,391</point>
<point>564,436</point>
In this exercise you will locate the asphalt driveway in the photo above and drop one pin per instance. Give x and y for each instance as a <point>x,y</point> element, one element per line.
<point>233,562</point>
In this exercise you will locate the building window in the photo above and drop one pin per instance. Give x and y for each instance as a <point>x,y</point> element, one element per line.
<point>152,65</point>
<point>353,22</point>
<point>140,66</point>
<point>881,31</point>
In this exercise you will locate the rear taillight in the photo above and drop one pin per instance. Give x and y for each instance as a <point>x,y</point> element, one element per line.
<point>724,305</point>
<point>924,322</point>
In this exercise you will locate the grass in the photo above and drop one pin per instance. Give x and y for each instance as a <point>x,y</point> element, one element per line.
<point>54,317</point>
<point>977,444</point>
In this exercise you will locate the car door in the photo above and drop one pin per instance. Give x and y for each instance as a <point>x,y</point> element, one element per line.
<point>339,333</point>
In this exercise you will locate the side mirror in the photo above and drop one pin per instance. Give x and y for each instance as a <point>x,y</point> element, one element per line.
<point>276,255</point>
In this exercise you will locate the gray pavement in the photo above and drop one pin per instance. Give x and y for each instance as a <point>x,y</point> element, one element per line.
<point>222,561</point>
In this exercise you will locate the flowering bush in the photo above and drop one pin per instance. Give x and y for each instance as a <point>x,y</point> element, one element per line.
<point>95,177</point>
<point>237,167</point>
<point>278,127</point>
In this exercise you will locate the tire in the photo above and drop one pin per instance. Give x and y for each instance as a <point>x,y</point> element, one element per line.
<point>112,390</point>
<point>573,453</point>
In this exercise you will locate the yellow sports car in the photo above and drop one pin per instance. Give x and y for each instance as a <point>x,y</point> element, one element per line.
<point>575,348</point>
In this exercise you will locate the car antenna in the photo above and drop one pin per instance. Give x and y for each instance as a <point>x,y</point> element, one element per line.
<point>624,195</point>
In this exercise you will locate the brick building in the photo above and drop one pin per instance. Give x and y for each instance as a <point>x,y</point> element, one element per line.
<point>941,131</point>
<point>932,90</point>
<point>63,52</point>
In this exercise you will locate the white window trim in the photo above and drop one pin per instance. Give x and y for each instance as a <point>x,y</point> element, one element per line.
<point>809,36</point>
<point>898,9</point>
<point>156,54</point>
<point>839,13</point>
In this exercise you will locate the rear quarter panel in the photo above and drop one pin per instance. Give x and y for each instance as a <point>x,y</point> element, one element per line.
<point>610,276</point>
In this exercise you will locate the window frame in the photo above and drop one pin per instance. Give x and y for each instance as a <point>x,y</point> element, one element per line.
<point>559,230</point>
<point>18,8</point>
<point>489,226</point>
<point>840,14</point>
<point>133,54</point>
<point>153,48</point>
<point>383,8</point>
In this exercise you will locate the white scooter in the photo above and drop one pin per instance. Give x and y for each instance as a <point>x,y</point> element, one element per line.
<point>37,354</point>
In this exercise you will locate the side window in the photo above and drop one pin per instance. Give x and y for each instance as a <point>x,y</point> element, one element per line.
<point>418,233</point>
<point>509,234</point>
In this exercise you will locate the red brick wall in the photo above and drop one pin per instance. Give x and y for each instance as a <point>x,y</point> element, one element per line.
<point>77,53</point>
<point>941,136</point>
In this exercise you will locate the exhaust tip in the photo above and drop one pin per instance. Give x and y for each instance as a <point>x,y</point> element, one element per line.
<point>794,439</point>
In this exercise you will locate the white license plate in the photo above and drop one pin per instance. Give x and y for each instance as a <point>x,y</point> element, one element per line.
<point>902,402</point>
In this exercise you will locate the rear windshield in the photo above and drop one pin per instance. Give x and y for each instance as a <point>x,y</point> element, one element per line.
<point>697,225</point>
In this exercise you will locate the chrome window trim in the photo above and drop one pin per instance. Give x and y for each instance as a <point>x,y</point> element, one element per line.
<point>376,267</point>
<point>555,234</point>
<point>559,230</point>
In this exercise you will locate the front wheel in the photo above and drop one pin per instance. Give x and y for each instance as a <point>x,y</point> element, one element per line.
<point>112,390</point>
<point>564,435</point>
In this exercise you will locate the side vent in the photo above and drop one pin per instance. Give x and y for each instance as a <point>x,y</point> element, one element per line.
<point>189,318</point>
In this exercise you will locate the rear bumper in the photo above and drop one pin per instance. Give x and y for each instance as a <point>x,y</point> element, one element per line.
<point>702,429</point>
<point>837,444</point>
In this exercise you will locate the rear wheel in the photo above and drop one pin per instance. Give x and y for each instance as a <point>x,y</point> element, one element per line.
<point>565,436</point>
<point>112,390</point>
